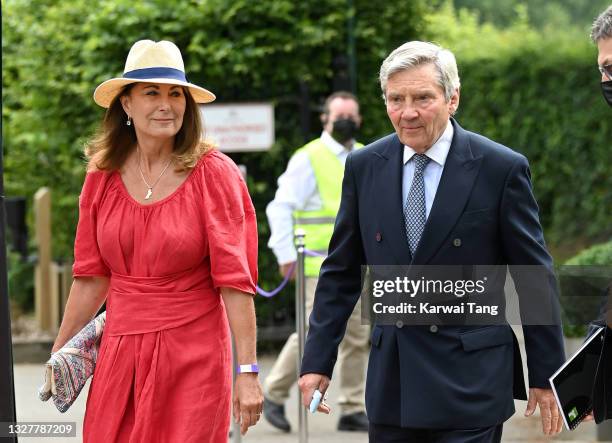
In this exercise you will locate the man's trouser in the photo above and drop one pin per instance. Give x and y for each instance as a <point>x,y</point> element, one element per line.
<point>352,359</point>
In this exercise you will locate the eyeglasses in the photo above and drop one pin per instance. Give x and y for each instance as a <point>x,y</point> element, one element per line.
<point>606,70</point>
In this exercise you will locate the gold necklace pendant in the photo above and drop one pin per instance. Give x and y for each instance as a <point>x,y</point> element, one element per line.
<point>150,187</point>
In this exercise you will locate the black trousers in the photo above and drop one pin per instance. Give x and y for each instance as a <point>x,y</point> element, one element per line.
<point>395,434</point>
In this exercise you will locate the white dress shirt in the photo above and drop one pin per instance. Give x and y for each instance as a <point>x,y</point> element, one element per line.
<point>297,190</point>
<point>432,172</point>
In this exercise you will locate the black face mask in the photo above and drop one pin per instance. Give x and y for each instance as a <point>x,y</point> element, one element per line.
<point>344,130</point>
<point>606,89</point>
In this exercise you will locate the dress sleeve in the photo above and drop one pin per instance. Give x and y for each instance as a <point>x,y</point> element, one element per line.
<point>231,225</point>
<point>87,259</point>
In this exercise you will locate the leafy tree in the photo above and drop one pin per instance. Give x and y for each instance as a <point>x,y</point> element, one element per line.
<point>542,14</point>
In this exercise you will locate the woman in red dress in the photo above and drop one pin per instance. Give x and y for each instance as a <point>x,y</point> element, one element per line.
<point>167,236</point>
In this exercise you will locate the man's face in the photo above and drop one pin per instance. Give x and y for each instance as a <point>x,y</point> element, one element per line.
<point>417,107</point>
<point>604,58</point>
<point>341,108</point>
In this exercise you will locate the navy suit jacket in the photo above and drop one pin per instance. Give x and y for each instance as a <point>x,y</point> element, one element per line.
<point>452,376</point>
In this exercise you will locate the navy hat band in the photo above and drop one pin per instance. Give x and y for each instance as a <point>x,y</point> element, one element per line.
<point>146,73</point>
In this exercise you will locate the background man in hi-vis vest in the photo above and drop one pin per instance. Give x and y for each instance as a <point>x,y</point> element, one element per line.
<point>308,197</point>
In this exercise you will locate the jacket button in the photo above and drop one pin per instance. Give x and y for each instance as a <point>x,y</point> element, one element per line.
<point>399,324</point>
<point>378,236</point>
<point>433,329</point>
<point>457,242</point>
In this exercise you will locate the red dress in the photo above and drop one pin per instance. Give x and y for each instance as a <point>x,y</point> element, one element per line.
<point>164,367</point>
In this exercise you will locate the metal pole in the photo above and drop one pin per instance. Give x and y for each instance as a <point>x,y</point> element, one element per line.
<point>7,384</point>
<point>300,323</point>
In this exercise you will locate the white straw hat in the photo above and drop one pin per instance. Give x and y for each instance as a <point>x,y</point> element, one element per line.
<point>154,62</point>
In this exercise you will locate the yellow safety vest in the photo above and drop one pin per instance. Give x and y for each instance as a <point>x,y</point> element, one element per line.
<point>319,225</point>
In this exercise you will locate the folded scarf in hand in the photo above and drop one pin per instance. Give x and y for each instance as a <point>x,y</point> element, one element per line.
<point>68,369</point>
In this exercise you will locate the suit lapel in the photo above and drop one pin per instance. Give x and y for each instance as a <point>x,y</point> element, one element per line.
<point>460,171</point>
<point>388,192</point>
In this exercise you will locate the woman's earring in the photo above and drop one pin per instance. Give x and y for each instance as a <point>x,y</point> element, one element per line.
<point>129,121</point>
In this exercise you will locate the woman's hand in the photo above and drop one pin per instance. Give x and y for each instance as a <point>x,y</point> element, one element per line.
<point>247,401</point>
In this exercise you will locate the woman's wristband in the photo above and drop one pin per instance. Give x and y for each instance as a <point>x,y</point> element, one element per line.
<point>243,369</point>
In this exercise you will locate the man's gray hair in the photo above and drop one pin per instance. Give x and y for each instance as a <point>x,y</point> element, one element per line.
<point>602,26</point>
<point>416,53</point>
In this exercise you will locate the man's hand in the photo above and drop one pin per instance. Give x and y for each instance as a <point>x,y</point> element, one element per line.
<point>308,383</point>
<point>552,421</point>
<point>286,269</point>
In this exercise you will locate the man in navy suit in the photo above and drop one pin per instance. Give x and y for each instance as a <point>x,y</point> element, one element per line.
<point>433,193</point>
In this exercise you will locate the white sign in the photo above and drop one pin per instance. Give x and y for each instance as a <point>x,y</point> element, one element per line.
<point>239,127</point>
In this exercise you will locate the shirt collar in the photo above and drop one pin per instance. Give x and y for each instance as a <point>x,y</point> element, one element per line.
<point>333,145</point>
<point>439,150</point>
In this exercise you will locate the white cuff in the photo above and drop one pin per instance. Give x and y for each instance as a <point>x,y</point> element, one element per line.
<point>285,255</point>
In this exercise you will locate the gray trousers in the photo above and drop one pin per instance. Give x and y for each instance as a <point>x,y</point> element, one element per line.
<point>352,360</point>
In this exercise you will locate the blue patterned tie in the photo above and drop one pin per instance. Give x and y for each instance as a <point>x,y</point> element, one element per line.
<point>414,208</point>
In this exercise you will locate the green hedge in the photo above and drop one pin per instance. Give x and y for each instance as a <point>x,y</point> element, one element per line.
<point>559,121</point>
<point>597,255</point>
<point>539,94</point>
<point>582,282</point>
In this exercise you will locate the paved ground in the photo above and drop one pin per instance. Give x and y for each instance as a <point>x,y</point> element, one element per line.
<point>322,428</point>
